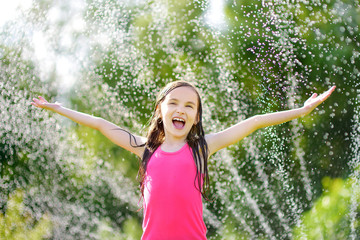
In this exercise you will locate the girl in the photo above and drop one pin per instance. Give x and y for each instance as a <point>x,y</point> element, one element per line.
<point>173,170</point>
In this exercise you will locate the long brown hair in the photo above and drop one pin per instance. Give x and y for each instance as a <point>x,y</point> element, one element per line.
<point>195,139</point>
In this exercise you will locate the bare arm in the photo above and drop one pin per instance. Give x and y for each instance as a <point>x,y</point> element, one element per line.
<point>217,141</point>
<point>117,135</point>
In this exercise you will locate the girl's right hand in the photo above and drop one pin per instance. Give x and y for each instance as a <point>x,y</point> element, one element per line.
<point>42,103</point>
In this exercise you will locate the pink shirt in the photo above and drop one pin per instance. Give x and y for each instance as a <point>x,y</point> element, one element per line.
<point>172,204</point>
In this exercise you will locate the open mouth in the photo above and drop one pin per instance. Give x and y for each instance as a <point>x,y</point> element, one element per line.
<point>179,123</point>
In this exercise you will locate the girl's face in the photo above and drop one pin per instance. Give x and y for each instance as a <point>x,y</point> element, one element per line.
<point>179,112</point>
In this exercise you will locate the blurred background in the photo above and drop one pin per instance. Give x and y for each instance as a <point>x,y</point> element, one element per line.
<point>109,58</point>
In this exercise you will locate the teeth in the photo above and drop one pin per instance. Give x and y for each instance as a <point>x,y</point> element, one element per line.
<point>178,119</point>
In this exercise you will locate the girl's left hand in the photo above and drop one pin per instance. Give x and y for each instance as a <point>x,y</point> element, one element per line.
<point>316,100</point>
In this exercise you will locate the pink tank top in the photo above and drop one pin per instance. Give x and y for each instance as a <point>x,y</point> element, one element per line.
<point>172,204</point>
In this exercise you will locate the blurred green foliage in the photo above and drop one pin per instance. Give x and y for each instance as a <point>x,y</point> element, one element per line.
<point>18,224</point>
<point>330,216</point>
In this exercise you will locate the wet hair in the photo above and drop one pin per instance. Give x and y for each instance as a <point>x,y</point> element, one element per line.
<point>156,136</point>
<point>195,139</point>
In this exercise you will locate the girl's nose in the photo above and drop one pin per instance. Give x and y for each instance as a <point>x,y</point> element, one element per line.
<point>180,110</point>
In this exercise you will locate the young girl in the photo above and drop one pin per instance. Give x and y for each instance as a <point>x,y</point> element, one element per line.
<point>173,170</point>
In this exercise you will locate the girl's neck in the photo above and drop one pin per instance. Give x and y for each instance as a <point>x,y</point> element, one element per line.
<point>172,145</point>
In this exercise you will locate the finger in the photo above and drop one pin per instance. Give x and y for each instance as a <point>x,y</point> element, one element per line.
<point>34,104</point>
<point>326,94</point>
<point>40,97</point>
<point>37,101</point>
<point>312,96</point>
<point>332,89</point>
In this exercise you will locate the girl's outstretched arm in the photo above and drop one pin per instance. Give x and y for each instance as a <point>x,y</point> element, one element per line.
<point>217,141</point>
<point>117,135</point>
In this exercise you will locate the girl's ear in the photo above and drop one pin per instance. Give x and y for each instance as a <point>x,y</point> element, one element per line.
<point>158,110</point>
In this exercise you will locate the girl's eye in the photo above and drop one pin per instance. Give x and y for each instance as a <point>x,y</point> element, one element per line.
<point>189,106</point>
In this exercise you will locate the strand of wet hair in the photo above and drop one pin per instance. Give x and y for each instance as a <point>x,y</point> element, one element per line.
<point>131,136</point>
